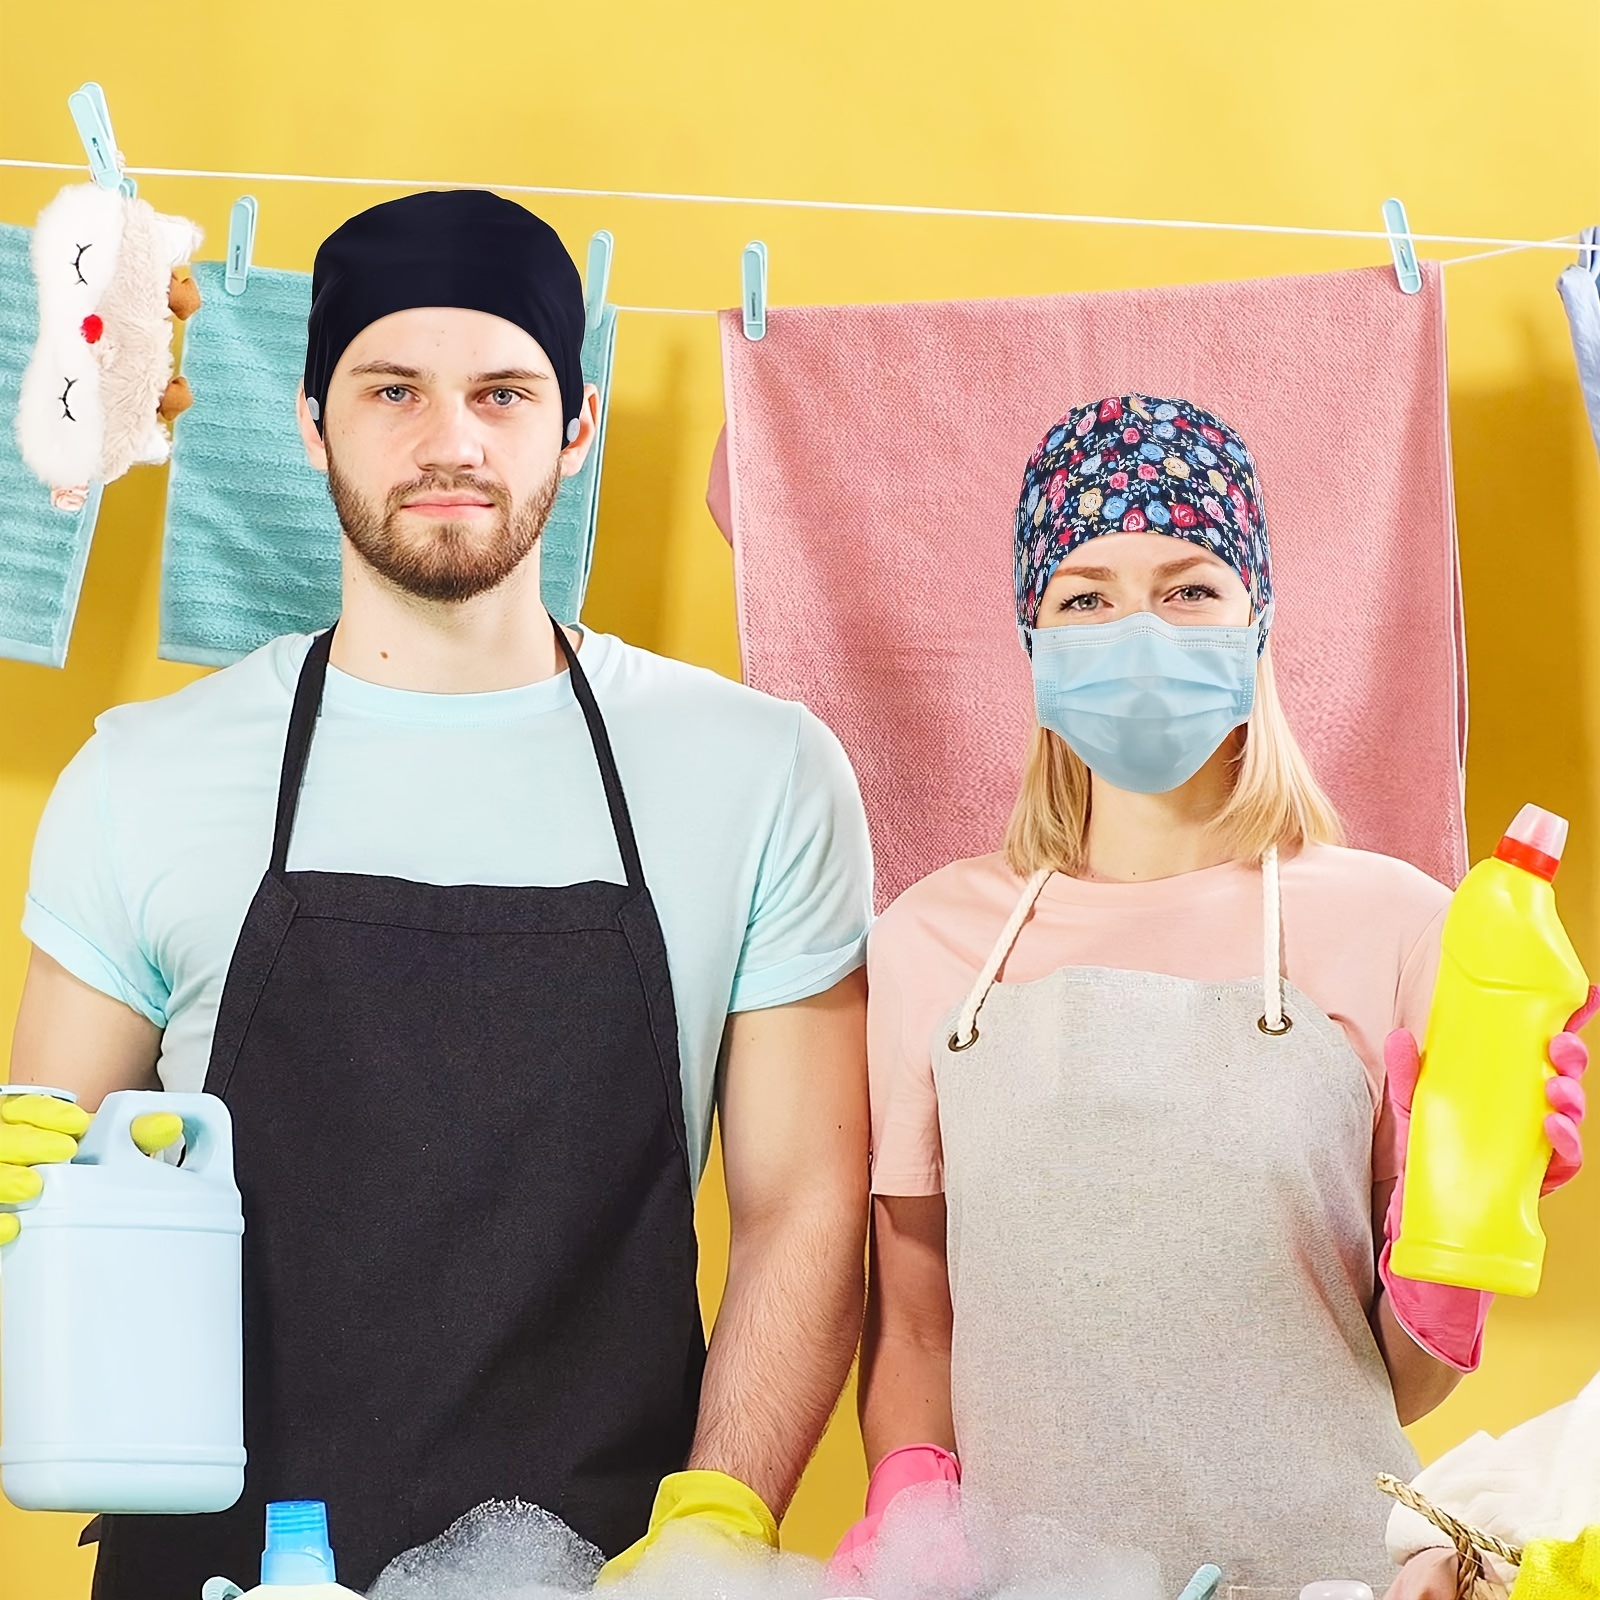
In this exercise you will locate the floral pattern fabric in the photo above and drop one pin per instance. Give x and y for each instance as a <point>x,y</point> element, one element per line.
<point>1131,464</point>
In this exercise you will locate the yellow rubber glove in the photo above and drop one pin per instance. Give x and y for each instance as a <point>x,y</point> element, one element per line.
<point>699,1502</point>
<point>1557,1570</point>
<point>37,1130</point>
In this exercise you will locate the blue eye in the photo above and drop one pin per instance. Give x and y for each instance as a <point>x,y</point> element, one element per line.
<point>395,392</point>
<point>502,398</point>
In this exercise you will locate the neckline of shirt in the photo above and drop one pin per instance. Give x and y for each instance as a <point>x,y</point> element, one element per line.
<point>1179,886</point>
<point>346,695</point>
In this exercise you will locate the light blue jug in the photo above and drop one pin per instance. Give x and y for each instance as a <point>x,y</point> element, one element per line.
<point>120,1323</point>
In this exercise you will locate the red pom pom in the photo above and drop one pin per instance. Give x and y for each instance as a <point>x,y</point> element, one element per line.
<point>93,327</point>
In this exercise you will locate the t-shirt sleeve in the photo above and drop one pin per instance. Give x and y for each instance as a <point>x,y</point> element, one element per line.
<point>75,910</point>
<point>813,899</point>
<point>1413,998</point>
<point>907,1153</point>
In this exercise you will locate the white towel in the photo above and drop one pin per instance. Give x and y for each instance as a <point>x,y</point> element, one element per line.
<point>1539,1480</point>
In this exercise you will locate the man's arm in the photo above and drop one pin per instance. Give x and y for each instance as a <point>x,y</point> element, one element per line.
<point>792,1099</point>
<point>71,1036</point>
<point>1420,1382</point>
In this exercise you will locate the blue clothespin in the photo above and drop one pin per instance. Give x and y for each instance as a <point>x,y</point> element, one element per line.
<point>1406,267</point>
<point>753,272</point>
<point>1203,1585</point>
<point>93,122</point>
<point>597,279</point>
<point>241,244</point>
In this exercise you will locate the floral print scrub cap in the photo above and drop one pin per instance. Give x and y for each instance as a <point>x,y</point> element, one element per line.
<point>1137,465</point>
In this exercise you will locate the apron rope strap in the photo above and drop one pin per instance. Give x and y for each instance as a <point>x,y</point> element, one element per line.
<point>1272,1019</point>
<point>1470,1543</point>
<point>966,1029</point>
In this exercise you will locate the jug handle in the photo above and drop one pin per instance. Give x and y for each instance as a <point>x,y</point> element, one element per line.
<point>207,1131</point>
<point>39,1088</point>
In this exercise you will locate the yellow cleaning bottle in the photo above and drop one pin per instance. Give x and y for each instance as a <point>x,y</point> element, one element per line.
<point>1509,980</point>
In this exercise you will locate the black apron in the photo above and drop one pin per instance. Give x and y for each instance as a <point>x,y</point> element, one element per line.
<point>469,1256</point>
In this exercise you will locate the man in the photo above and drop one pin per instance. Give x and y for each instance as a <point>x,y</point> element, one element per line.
<point>469,918</point>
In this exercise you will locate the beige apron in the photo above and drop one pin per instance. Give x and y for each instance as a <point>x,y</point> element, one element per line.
<point>1161,1261</point>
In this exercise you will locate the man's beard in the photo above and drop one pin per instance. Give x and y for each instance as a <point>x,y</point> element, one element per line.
<point>449,561</point>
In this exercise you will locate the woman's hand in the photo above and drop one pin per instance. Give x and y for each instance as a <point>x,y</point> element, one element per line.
<point>1428,1575</point>
<point>1444,1321</point>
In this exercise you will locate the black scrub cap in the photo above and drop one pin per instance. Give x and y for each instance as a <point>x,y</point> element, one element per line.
<point>451,247</point>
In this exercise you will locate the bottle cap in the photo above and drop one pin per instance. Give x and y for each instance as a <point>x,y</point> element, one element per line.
<point>1534,842</point>
<point>1336,1589</point>
<point>297,1549</point>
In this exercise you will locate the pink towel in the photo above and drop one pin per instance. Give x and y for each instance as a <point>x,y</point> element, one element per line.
<point>873,459</point>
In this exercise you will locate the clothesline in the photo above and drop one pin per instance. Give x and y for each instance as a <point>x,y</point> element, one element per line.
<point>1497,246</point>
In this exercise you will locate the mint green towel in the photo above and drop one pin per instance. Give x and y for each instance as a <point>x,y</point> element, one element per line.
<point>42,551</point>
<point>252,543</point>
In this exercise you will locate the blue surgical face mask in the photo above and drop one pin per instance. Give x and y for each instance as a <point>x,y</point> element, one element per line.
<point>1144,704</point>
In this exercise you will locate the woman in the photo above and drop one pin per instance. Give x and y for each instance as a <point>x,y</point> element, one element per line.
<point>1134,1165</point>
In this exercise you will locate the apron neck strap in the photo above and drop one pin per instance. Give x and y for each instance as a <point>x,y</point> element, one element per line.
<point>966,1029</point>
<point>1273,1019</point>
<point>297,745</point>
<point>303,723</point>
<point>616,801</point>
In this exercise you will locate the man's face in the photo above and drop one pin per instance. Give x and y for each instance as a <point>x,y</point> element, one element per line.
<point>442,440</point>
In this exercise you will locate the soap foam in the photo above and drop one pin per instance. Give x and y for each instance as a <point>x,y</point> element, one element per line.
<point>932,1545</point>
<point>502,1550</point>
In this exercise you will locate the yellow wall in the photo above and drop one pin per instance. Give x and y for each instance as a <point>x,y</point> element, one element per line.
<point>1478,113</point>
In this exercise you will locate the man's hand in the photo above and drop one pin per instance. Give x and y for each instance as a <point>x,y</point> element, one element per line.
<point>36,1130</point>
<point>40,1130</point>
<point>716,1513</point>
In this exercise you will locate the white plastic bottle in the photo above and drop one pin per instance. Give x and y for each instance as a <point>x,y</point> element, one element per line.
<point>297,1563</point>
<point>120,1323</point>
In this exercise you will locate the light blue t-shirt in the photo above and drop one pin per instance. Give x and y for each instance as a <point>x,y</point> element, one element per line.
<point>747,813</point>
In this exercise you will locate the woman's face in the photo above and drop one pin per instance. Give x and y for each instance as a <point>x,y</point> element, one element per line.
<point>1119,573</point>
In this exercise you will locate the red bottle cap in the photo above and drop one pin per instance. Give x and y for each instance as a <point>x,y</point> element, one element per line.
<point>1534,842</point>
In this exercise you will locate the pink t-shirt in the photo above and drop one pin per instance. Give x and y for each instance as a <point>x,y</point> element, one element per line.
<point>1360,938</point>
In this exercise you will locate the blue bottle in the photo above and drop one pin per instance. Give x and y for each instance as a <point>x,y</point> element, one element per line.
<point>297,1563</point>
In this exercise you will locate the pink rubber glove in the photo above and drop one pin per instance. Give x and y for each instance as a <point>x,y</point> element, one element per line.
<point>1446,1321</point>
<point>899,1470</point>
<point>1429,1575</point>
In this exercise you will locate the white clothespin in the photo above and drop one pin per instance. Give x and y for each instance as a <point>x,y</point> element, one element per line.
<point>93,121</point>
<point>1589,252</point>
<point>1407,270</point>
<point>241,244</point>
<point>753,273</point>
<point>597,279</point>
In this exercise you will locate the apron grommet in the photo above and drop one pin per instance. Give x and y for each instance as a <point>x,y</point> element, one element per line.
<point>953,1043</point>
<point>1275,1033</point>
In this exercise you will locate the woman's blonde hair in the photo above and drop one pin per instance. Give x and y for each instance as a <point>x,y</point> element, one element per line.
<point>1274,798</point>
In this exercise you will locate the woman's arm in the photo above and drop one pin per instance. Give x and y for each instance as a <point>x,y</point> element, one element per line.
<point>1420,1382</point>
<point>905,1347</point>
